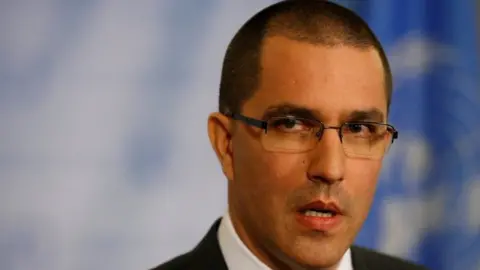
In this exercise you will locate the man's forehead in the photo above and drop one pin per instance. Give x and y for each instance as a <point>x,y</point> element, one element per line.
<point>282,49</point>
<point>328,80</point>
<point>286,59</point>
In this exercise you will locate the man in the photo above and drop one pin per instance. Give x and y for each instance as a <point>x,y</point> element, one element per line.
<point>300,136</point>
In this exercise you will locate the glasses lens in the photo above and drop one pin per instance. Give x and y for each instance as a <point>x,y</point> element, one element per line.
<point>289,134</point>
<point>367,140</point>
<point>293,135</point>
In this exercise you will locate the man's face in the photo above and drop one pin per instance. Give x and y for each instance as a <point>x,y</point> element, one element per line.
<point>267,188</point>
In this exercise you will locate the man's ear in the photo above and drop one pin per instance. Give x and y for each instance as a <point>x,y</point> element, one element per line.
<point>219,132</point>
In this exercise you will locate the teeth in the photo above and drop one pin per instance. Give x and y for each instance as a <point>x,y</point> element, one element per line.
<point>312,213</point>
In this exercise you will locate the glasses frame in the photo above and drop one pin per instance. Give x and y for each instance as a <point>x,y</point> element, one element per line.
<point>264,125</point>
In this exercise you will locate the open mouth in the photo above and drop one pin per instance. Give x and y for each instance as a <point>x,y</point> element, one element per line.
<point>320,209</point>
<point>325,213</point>
<point>320,216</point>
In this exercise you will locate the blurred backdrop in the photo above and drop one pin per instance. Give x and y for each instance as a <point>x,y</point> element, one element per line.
<point>104,157</point>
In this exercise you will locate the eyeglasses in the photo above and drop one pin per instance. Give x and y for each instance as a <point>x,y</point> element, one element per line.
<point>295,135</point>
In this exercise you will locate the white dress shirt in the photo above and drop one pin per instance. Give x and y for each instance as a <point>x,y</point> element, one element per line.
<point>239,257</point>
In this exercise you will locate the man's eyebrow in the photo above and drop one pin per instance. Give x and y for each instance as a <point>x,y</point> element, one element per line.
<point>285,109</point>
<point>372,114</point>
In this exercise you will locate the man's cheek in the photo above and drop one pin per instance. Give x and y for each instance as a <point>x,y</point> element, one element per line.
<point>367,170</point>
<point>361,181</point>
<point>284,166</point>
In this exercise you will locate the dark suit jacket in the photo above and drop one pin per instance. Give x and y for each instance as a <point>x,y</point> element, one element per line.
<point>208,256</point>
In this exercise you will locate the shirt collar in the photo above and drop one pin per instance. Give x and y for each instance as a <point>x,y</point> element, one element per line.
<point>239,257</point>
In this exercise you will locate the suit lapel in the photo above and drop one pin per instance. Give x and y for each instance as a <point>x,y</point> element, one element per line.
<point>358,259</point>
<point>207,254</point>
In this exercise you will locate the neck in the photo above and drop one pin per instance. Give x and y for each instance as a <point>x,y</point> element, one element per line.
<point>258,250</point>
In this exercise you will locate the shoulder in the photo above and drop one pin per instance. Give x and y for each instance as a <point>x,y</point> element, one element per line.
<point>377,260</point>
<point>206,255</point>
<point>180,262</point>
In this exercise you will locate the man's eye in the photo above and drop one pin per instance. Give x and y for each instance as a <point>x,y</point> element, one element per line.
<point>354,128</point>
<point>364,129</point>
<point>289,124</point>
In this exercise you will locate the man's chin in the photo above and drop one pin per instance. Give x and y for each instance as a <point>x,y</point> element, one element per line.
<point>314,253</point>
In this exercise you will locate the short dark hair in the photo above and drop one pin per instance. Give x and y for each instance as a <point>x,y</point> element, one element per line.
<point>313,21</point>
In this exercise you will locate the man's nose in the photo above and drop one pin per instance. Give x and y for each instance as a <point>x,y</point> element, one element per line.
<point>327,160</point>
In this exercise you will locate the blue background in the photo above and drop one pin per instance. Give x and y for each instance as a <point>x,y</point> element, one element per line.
<point>425,205</point>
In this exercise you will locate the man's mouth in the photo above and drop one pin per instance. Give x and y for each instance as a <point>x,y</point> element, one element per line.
<point>320,216</point>
<point>320,209</point>
<point>319,213</point>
